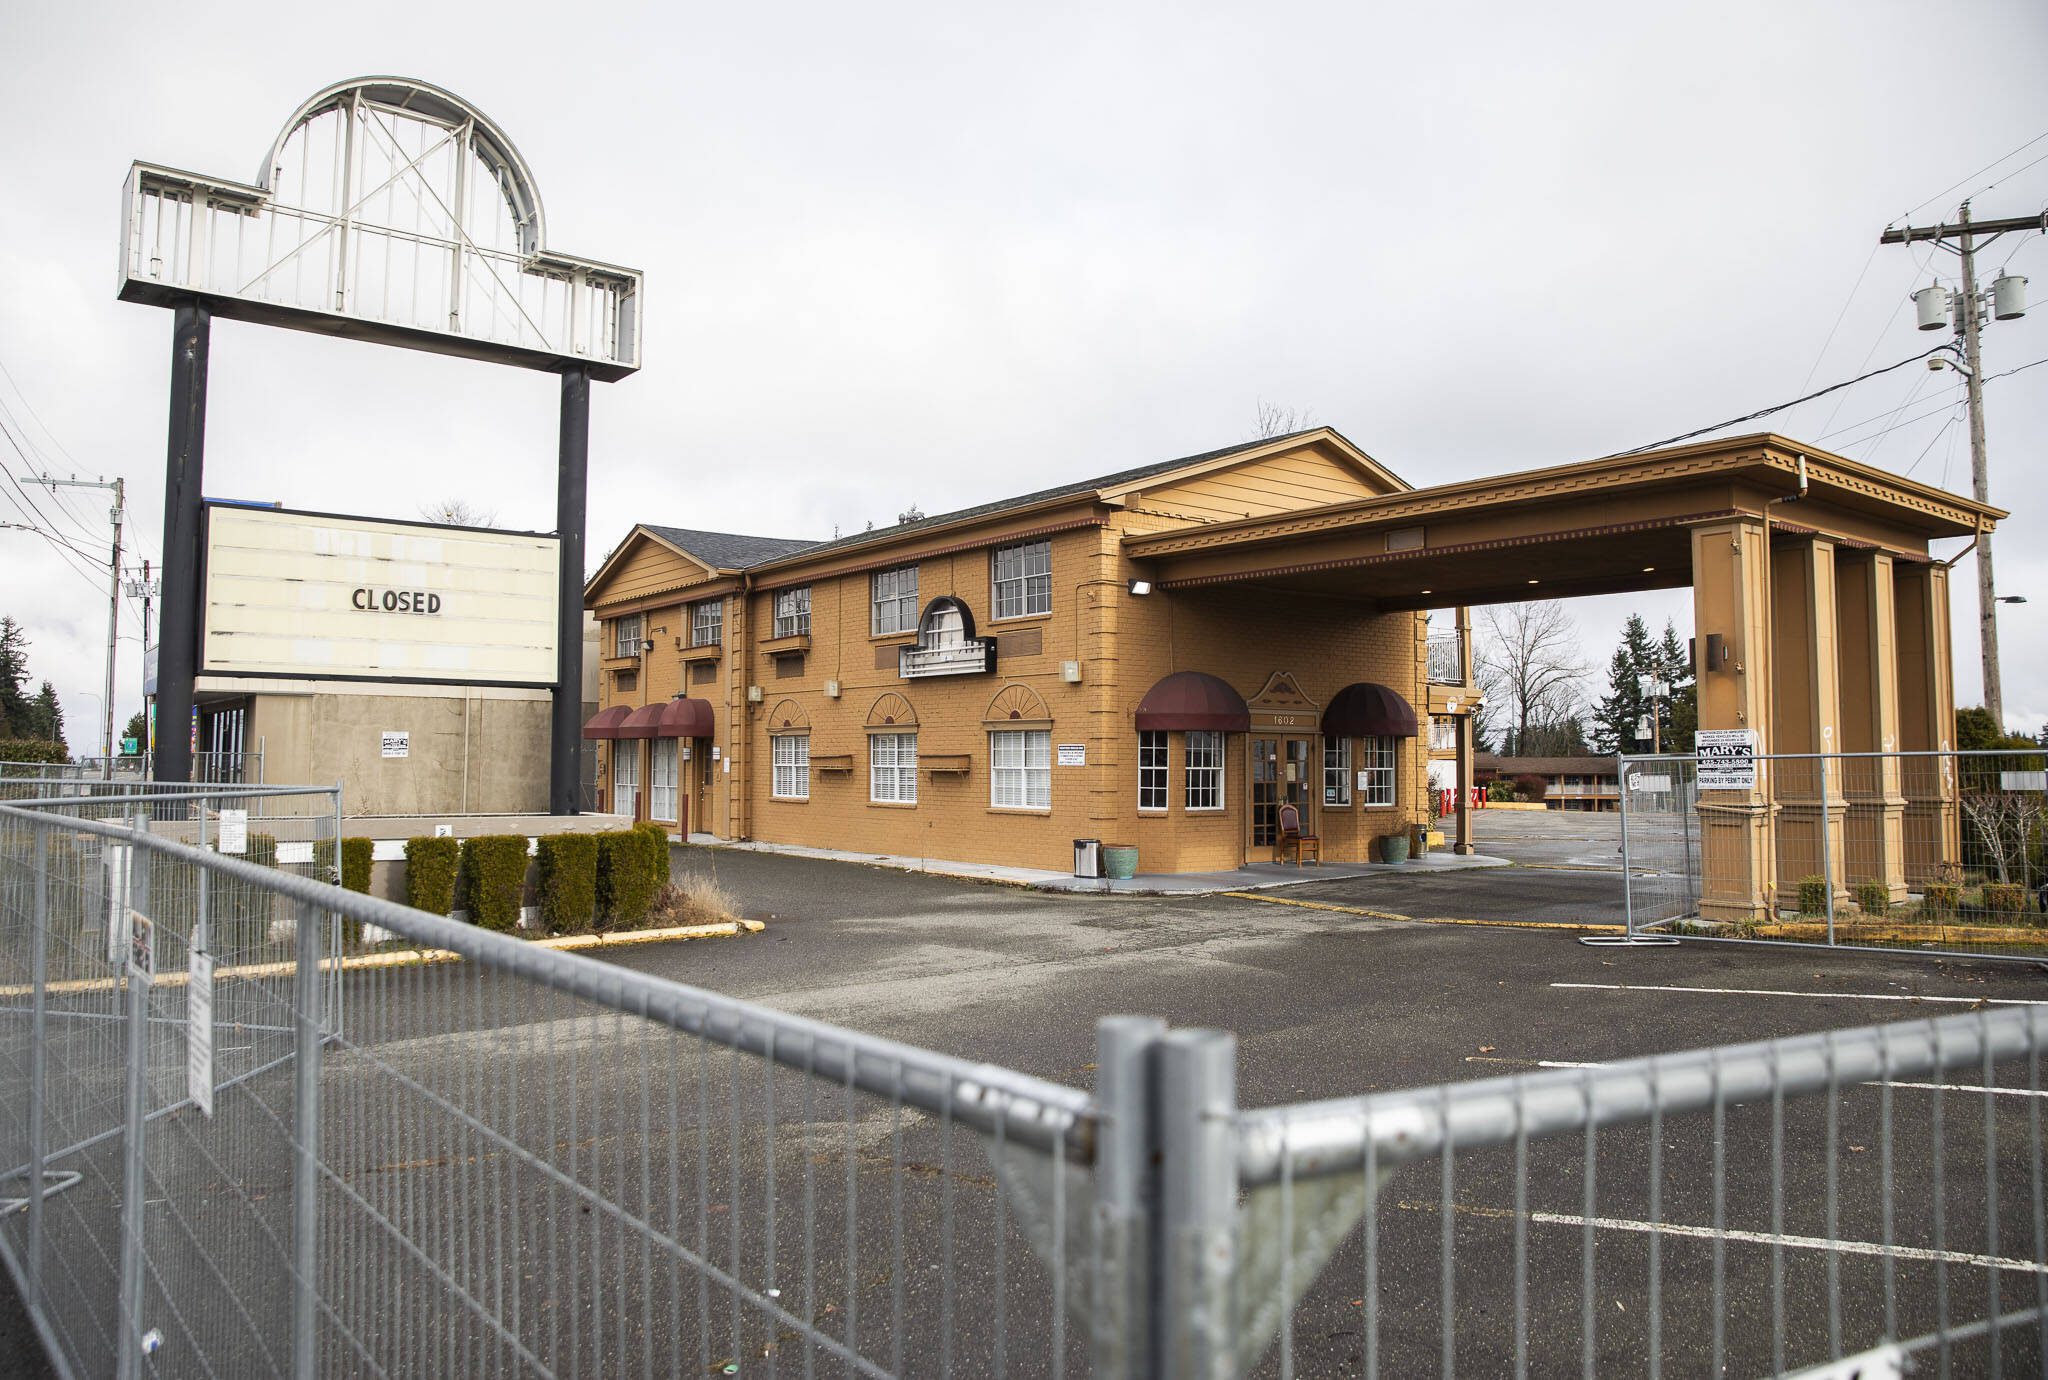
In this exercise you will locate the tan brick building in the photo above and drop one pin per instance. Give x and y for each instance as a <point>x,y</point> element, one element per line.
<point>990,684</point>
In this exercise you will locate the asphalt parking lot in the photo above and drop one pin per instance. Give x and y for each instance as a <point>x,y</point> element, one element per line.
<point>1326,999</point>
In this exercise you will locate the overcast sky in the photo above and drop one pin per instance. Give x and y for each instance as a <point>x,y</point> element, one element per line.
<point>939,254</point>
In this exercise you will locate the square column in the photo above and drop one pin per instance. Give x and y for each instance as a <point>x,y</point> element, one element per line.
<point>1874,829</point>
<point>1927,716</point>
<point>1464,845</point>
<point>1730,588</point>
<point>1806,715</point>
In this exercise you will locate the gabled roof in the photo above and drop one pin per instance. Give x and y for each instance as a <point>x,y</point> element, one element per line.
<point>1106,484</point>
<point>728,550</point>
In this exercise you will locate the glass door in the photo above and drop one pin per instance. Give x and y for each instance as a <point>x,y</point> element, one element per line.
<point>1264,776</point>
<point>626,777</point>
<point>661,781</point>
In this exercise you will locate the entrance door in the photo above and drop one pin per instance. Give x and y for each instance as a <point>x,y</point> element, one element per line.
<point>626,777</point>
<point>1279,774</point>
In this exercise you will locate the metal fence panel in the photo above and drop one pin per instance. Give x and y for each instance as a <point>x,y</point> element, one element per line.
<point>1932,852</point>
<point>434,1149</point>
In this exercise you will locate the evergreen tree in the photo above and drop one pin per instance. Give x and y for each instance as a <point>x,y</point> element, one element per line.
<point>49,717</point>
<point>1615,717</point>
<point>138,729</point>
<point>1681,712</point>
<point>17,715</point>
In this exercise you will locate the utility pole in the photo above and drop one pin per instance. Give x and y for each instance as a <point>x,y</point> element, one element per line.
<point>145,590</point>
<point>115,516</point>
<point>1967,322</point>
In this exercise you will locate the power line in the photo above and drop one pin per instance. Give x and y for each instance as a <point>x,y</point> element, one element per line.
<point>1779,407</point>
<point>1979,173</point>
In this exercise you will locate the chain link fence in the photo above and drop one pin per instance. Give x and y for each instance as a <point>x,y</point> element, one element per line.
<point>1931,852</point>
<point>303,1130</point>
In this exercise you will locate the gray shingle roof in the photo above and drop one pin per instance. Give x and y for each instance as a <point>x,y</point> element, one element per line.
<point>729,550</point>
<point>1075,489</point>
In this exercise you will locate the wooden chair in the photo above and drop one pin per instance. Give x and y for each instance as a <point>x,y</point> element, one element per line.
<point>1304,846</point>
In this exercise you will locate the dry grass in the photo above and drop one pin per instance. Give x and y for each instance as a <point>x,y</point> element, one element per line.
<point>695,900</point>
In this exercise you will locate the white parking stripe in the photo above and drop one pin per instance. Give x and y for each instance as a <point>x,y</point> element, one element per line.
<point>1773,992</point>
<point>1810,1243</point>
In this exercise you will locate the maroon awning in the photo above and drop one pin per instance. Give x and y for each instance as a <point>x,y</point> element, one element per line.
<point>1193,699</point>
<point>605,722</point>
<point>1366,710</point>
<point>677,718</point>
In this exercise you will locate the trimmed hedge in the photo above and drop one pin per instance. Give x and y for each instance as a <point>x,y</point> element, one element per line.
<point>491,879</point>
<point>1813,895</point>
<point>355,862</point>
<point>1874,898</point>
<point>2005,898</point>
<point>430,865</point>
<point>1941,898</point>
<point>33,750</point>
<point>626,885</point>
<point>658,857</point>
<point>567,864</point>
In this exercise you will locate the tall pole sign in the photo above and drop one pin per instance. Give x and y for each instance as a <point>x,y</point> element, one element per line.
<point>390,211</point>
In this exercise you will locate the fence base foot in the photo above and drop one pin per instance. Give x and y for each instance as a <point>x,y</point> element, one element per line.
<point>1627,941</point>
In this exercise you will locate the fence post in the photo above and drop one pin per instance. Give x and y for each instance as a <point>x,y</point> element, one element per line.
<point>306,1143</point>
<point>1628,888</point>
<point>38,1064</point>
<point>135,1106</point>
<point>1197,1240</point>
<point>1827,846</point>
<point>1126,1195</point>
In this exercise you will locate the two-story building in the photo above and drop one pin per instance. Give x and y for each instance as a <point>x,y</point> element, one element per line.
<point>990,684</point>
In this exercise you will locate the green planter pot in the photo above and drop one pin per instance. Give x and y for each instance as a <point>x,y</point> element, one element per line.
<point>1394,848</point>
<point>1119,861</point>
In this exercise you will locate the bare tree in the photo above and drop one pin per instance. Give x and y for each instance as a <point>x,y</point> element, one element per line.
<point>1532,673</point>
<point>2009,826</point>
<point>1275,420</point>
<point>458,512</point>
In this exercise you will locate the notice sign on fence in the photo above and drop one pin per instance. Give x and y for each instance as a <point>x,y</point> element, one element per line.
<point>1727,759</point>
<point>199,1032</point>
<point>234,831</point>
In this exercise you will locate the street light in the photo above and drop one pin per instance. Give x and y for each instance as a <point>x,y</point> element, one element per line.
<point>2012,598</point>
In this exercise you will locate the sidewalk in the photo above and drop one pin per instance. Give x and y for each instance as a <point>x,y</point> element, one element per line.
<point>1252,877</point>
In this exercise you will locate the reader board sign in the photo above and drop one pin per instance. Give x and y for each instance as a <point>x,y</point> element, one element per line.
<point>314,596</point>
<point>1726,759</point>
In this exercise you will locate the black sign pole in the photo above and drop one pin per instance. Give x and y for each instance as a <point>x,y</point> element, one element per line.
<point>184,474</point>
<point>566,728</point>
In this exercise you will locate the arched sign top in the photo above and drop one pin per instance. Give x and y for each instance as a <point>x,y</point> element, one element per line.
<point>425,100</point>
<point>389,210</point>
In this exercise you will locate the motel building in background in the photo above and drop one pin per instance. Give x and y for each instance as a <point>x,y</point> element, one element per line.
<point>1165,656</point>
<point>991,684</point>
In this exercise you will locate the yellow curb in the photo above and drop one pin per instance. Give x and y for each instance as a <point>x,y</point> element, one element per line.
<point>2018,935</point>
<point>1429,919</point>
<point>406,958</point>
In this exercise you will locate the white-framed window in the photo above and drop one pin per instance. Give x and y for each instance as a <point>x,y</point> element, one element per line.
<point>1022,579</point>
<point>1376,768</point>
<point>1020,768</point>
<point>627,634</point>
<point>1336,771</point>
<point>793,611</point>
<point>789,755</point>
<point>1205,770</point>
<point>892,768</point>
<point>625,776</point>
<point>893,594</point>
<point>1152,769</point>
<point>661,780</point>
<point>1443,734</point>
<point>707,623</point>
